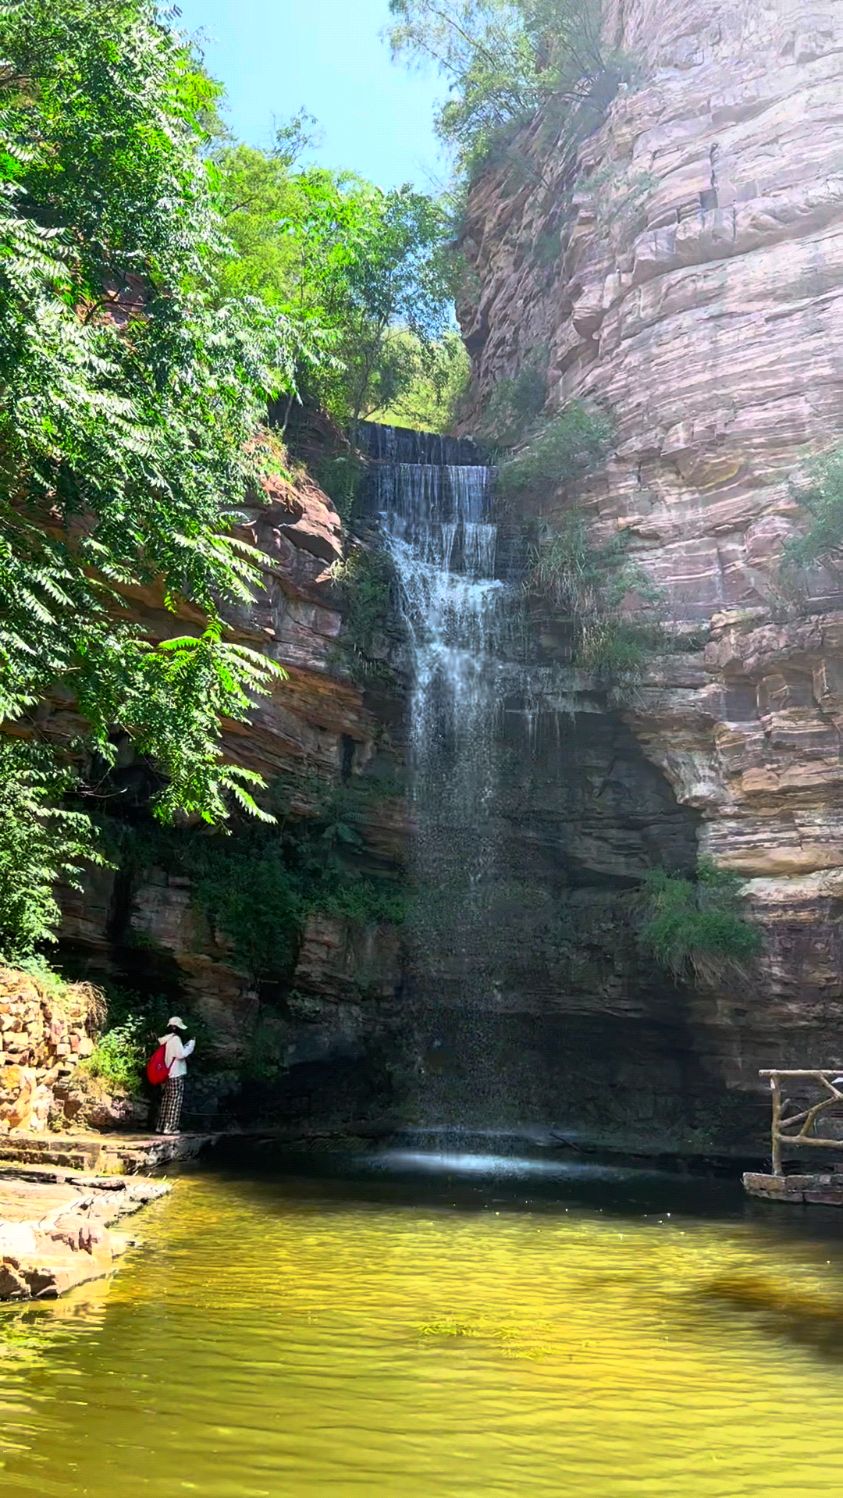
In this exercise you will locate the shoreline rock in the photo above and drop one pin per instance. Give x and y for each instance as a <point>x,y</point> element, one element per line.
<point>56,1227</point>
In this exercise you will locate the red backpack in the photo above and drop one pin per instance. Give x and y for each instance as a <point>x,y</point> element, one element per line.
<point>157,1070</point>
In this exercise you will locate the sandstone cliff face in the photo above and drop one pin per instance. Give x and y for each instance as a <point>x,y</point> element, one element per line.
<point>320,729</point>
<point>697,292</point>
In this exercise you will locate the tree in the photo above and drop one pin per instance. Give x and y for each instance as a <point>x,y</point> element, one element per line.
<point>129,391</point>
<point>345,262</point>
<point>420,384</point>
<point>503,60</point>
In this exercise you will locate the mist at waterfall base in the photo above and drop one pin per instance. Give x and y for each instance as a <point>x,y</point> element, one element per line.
<point>435,503</point>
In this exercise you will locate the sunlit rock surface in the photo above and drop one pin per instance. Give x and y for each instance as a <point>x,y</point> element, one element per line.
<point>694,289</point>
<point>318,730</point>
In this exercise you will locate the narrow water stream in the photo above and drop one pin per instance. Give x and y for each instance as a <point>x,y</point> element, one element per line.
<point>402,1326</point>
<point>439,529</point>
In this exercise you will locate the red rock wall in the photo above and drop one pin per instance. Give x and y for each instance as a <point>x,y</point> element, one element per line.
<point>318,725</point>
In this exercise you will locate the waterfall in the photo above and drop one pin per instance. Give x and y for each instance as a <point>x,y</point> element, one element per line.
<point>434,500</point>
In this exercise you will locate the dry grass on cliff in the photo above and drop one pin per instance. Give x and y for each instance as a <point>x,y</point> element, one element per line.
<point>83,1002</point>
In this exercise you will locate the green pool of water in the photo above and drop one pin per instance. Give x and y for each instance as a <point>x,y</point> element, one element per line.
<point>430,1335</point>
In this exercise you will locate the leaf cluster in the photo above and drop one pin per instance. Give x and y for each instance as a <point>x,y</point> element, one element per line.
<point>129,392</point>
<point>588,585</point>
<point>421,384</point>
<point>365,578</point>
<point>41,842</point>
<point>514,405</point>
<point>822,498</point>
<point>347,264</point>
<point>695,928</point>
<point>504,60</point>
<point>256,888</point>
<point>119,1055</point>
<point>558,451</point>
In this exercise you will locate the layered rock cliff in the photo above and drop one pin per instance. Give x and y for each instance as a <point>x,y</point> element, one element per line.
<point>327,731</point>
<point>687,275</point>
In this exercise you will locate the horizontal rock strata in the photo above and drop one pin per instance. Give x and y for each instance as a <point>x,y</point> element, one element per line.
<point>690,281</point>
<point>56,1233</point>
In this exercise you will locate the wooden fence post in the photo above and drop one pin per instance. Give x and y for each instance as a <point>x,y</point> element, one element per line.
<point>776,1088</point>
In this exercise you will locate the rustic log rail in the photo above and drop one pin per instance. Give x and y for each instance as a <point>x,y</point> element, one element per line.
<point>804,1121</point>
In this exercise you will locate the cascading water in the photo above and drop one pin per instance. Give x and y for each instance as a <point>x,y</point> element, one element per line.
<point>534,813</point>
<point>434,500</point>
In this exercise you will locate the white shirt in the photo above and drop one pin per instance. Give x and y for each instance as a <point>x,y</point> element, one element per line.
<point>176,1053</point>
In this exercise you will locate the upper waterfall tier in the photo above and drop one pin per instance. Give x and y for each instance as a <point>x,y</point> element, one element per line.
<point>387,444</point>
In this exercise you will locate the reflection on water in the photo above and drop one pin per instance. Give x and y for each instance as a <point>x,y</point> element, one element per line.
<point>445,1334</point>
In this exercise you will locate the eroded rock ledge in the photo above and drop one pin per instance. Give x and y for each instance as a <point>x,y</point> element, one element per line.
<point>56,1228</point>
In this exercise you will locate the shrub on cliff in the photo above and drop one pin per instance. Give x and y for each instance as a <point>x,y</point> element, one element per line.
<point>128,395</point>
<point>696,929</point>
<point>514,404</point>
<point>587,586</point>
<point>822,498</point>
<point>505,60</point>
<point>559,451</point>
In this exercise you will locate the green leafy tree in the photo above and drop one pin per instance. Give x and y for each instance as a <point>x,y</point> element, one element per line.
<point>421,384</point>
<point>821,495</point>
<point>128,394</point>
<point>40,841</point>
<point>346,263</point>
<point>503,60</point>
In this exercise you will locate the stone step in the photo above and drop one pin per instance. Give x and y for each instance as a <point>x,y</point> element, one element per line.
<point>105,1154</point>
<point>71,1154</point>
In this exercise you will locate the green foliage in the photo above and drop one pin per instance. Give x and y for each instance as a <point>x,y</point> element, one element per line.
<point>696,929</point>
<point>616,648</point>
<point>514,405</point>
<point>251,896</point>
<point>561,450</point>
<point>257,886</point>
<point>365,901</point>
<point>340,475</point>
<point>129,392</point>
<point>822,497</point>
<point>119,1056</point>
<point>266,1052</point>
<point>347,264</point>
<point>131,1027</point>
<point>421,384</point>
<point>40,843</point>
<point>365,578</point>
<point>588,586</point>
<point>504,61</point>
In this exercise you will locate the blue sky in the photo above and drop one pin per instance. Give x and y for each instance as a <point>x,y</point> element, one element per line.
<point>275,56</point>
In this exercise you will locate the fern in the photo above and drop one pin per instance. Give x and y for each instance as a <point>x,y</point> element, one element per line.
<point>41,843</point>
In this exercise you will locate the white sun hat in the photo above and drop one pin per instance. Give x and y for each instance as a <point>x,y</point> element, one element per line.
<point>174,1023</point>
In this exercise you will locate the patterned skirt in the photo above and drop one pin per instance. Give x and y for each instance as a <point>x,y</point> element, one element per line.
<point>169,1113</point>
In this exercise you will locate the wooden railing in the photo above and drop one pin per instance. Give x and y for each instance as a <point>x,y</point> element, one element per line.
<point>799,1129</point>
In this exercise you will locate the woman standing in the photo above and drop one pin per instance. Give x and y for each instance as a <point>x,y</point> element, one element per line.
<point>176,1052</point>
